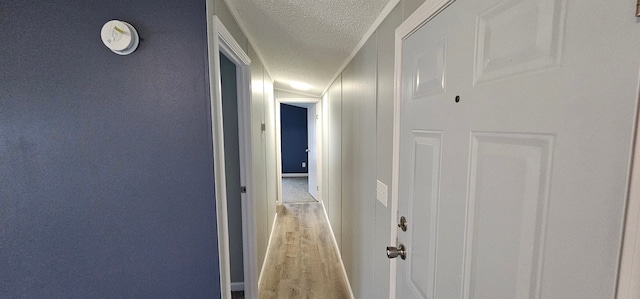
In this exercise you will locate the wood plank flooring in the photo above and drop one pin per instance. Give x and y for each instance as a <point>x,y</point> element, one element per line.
<point>303,260</point>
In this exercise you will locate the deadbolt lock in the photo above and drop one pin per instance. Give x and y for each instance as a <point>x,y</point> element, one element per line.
<point>403,224</point>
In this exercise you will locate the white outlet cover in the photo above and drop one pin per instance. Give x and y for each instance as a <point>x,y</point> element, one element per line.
<point>381,192</point>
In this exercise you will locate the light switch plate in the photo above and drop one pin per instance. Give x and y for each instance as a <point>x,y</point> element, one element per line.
<point>381,192</point>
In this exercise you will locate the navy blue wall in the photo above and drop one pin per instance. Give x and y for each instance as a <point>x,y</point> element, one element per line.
<point>293,126</point>
<point>106,180</point>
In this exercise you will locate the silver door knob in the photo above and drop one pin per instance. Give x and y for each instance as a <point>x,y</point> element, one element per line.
<point>394,252</point>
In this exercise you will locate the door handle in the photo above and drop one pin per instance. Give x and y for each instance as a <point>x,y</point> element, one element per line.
<point>394,252</point>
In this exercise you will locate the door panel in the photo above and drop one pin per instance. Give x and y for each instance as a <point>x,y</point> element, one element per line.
<point>518,36</point>
<point>530,189</point>
<point>424,199</point>
<point>508,196</point>
<point>429,69</point>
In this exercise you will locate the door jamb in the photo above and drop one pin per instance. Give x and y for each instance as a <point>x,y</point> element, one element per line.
<point>221,41</point>
<point>319,140</point>
<point>427,11</point>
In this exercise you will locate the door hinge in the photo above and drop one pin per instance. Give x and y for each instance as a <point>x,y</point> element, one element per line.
<point>638,9</point>
<point>263,127</point>
<point>243,189</point>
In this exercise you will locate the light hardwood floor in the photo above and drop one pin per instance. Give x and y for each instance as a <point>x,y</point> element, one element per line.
<point>303,261</point>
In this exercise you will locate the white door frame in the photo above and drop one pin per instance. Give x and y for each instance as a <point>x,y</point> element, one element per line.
<point>629,272</point>
<point>317,102</point>
<point>224,43</point>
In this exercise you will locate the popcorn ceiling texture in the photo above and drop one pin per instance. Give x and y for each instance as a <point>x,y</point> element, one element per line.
<point>306,40</point>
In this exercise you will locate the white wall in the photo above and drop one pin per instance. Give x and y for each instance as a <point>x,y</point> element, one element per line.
<point>263,204</point>
<point>270,150</point>
<point>384,142</point>
<point>359,122</point>
<point>359,169</point>
<point>332,105</point>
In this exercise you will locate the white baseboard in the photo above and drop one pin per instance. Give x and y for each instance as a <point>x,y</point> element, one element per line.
<point>237,286</point>
<point>266,255</point>
<point>295,175</point>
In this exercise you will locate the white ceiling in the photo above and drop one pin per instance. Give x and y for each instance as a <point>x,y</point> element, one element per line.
<point>306,40</point>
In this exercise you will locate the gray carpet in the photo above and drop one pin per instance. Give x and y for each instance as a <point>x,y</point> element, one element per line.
<point>296,190</point>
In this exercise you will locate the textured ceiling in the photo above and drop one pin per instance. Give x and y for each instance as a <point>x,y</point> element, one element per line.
<point>305,40</point>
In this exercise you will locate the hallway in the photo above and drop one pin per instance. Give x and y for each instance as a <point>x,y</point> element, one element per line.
<point>302,259</point>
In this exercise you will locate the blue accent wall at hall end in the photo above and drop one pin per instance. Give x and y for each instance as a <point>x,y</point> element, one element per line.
<point>294,136</point>
<point>106,169</point>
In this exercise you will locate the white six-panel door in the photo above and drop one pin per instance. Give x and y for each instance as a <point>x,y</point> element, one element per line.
<point>516,128</point>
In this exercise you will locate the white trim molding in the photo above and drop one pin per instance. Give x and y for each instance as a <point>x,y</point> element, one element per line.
<point>427,11</point>
<point>264,262</point>
<point>221,41</point>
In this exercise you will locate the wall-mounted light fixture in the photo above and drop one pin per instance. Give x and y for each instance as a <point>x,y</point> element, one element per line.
<point>120,37</point>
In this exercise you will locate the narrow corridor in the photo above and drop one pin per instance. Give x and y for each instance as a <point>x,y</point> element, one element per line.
<point>302,260</point>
